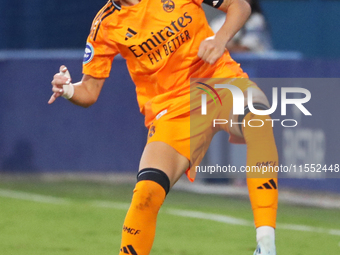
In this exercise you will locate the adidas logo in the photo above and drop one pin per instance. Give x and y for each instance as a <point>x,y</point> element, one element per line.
<point>268,185</point>
<point>129,250</point>
<point>129,34</point>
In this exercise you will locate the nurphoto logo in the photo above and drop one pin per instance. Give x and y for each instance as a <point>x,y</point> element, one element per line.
<point>239,104</point>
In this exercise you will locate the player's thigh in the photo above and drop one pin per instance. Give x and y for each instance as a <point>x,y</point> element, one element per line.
<point>258,97</point>
<point>162,156</point>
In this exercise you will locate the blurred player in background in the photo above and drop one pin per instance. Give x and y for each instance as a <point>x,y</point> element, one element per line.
<point>165,43</point>
<point>254,36</point>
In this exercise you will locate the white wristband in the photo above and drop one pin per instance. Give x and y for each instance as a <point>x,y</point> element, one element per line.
<point>67,88</point>
<point>68,91</point>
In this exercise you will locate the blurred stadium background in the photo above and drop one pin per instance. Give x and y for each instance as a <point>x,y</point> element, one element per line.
<point>69,150</point>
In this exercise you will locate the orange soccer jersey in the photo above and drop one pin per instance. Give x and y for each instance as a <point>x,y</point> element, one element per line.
<point>159,40</point>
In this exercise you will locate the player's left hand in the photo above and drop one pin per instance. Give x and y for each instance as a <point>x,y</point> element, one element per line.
<point>211,49</point>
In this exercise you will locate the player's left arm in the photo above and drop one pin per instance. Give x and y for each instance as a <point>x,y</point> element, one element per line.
<point>238,11</point>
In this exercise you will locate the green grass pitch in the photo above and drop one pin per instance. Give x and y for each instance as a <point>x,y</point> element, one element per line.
<point>88,217</point>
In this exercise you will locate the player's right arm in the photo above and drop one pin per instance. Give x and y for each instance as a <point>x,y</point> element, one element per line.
<point>237,13</point>
<point>86,92</point>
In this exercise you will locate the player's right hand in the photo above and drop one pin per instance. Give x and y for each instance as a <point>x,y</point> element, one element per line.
<point>59,79</point>
<point>211,49</point>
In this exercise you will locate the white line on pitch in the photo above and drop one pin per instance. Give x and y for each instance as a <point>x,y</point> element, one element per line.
<point>32,197</point>
<point>304,228</point>
<point>209,216</point>
<point>113,205</point>
<point>220,218</point>
<point>241,222</point>
<point>177,212</point>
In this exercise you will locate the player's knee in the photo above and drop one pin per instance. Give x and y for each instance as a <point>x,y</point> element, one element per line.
<point>259,102</point>
<point>151,189</point>
<point>257,97</point>
<point>245,122</point>
<point>154,175</point>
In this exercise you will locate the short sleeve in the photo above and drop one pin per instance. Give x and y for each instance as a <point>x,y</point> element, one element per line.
<point>99,53</point>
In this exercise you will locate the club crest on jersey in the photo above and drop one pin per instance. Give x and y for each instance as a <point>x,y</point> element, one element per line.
<point>89,52</point>
<point>152,131</point>
<point>168,5</point>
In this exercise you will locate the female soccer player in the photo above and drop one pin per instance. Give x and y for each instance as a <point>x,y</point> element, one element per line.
<point>165,44</point>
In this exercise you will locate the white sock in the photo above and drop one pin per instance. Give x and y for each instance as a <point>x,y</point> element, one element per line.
<point>265,231</point>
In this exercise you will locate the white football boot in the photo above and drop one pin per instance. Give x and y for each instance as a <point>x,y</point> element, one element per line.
<point>265,246</point>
